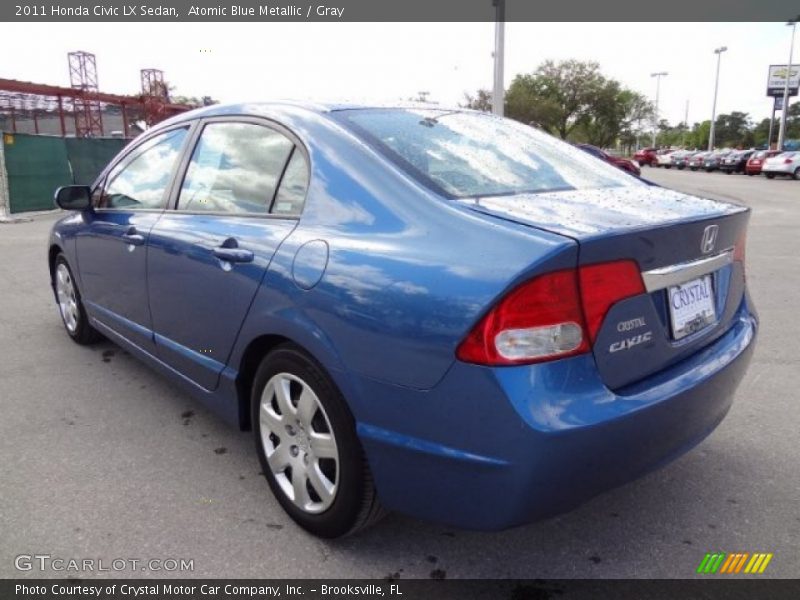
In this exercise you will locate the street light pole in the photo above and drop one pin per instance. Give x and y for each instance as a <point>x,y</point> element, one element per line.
<point>785,105</point>
<point>658,77</point>
<point>718,52</point>
<point>499,47</point>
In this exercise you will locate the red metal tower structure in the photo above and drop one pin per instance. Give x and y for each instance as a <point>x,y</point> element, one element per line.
<point>155,95</point>
<point>86,103</point>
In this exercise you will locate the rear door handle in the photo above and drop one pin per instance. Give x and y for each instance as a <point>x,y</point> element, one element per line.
<point>230,252</point>
<point>133,237</point>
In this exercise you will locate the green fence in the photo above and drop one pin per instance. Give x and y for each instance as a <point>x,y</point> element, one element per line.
<point>36,165</point>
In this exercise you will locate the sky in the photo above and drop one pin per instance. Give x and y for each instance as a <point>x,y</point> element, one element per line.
<point>386,62</point>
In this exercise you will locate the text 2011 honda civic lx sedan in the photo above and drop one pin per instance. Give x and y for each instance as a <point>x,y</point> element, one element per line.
<point>438,312</point>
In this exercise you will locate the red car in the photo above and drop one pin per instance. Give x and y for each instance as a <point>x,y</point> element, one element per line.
<point>755,162</point>
<point>623,163</point>
<point>646,156</point>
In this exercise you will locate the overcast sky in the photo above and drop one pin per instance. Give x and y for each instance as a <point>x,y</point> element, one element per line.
<point>391,61</point>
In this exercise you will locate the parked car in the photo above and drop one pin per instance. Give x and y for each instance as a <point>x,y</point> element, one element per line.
<point>442,312</point>
<point>697,160</point>
<point>625,164</point>
<point>645,156</point>
<point>680,159</point>
<point>785,163</point>
<point>712,161</point>
<point>664,158</point>
<point>735,162</point>
<point>755,162</point>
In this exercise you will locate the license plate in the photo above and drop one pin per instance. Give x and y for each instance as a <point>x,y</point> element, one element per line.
<point>691,306</point>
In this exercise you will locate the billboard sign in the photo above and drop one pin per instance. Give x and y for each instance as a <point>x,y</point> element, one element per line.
<point>777,80</point>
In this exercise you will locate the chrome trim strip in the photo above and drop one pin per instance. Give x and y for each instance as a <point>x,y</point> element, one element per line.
<point>663,277</point>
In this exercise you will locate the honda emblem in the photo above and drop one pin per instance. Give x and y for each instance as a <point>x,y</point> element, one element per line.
<point>709,239</point>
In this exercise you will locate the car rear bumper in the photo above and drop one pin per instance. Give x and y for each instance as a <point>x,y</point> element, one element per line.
<point>493,448</point>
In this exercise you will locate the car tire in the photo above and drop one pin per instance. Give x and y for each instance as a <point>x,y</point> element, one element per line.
<point>750,174</point>
<point>310,454</point>
<point>728,172</point>
<point>769,175</point>
<point>796,174</point>
<point>70,305</point>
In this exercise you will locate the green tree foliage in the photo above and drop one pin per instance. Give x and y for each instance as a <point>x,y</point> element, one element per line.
<point>572,99</point>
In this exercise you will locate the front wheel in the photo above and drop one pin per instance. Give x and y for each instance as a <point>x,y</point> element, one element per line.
<point>307,444</point>
<point>70,305</point>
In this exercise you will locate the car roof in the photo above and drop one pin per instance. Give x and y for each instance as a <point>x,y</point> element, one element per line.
<point>287,108</point>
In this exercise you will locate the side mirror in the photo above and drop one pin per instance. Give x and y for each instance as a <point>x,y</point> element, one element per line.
<point>74,197</point>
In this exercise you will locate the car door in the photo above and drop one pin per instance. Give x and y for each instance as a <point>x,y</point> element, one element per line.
<point>112,248</point>
<point>243,189</point>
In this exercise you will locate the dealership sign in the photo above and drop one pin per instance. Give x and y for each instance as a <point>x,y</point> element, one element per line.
<point>777,80</point>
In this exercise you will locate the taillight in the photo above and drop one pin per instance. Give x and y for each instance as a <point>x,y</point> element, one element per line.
<point>552,316</point>
<point>538,321</point>
<point>787,161</point>
<point>605,284</point>
<point>739,250</point>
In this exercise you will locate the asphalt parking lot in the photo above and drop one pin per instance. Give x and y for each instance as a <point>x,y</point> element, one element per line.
<point>102,458</point>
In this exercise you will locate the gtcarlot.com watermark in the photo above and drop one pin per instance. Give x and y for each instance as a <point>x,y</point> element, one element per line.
<point>46,562</point>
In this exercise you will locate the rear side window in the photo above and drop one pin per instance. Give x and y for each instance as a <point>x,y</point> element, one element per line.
<point>141,182</point>
<point>292,192</point>
<point>235,168</point>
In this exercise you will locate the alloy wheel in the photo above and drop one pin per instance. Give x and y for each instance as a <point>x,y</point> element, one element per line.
<point>299,443</point>
<point>67,301</point>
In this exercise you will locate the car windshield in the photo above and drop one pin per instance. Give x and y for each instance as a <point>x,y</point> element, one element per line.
<point>466,154</point>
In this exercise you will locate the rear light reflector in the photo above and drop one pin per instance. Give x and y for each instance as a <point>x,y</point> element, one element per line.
<point>554,315</point>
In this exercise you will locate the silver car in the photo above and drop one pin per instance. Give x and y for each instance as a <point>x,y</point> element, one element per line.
<point>786,163</point>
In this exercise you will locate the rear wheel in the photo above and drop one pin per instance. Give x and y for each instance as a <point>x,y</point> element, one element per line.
<point>307,444</point>
<point>796,174</point>
<point>770,175</point>
<point>70,305</point>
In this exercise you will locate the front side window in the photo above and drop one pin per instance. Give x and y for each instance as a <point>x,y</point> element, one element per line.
<point>142,181</point>
<point>235,168</point>
<point>464,154</point>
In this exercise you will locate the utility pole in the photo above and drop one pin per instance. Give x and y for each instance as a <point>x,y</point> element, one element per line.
<point>658,77</point>
<point>718,52</point>
<point>785,106</point>
<point>499,48</point>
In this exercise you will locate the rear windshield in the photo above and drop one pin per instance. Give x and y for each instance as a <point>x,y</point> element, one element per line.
<point>465,154</point>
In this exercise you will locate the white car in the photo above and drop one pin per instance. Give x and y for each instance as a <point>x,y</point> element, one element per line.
<point>786,163</point>
<point>665,159</point>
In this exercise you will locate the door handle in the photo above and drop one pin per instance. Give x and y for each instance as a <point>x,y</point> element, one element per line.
<point>133,237</point>
<point>230,252</point>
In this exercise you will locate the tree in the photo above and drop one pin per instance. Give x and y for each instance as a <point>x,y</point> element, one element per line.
<point>557,96</point>
<point>482,101</point>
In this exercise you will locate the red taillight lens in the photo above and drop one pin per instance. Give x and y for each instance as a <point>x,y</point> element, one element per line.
<point>552,316</point>
<point>787,161</point>
<point>540,320</point>
<point>603,285</point>
<point>739,251</point>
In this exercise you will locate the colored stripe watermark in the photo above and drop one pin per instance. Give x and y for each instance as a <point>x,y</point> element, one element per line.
<point>734,562</point>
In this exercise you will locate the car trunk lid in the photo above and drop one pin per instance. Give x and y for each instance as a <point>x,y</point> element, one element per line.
<point>683,246</point>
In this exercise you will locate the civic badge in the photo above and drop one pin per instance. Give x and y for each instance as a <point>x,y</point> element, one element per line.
<point>709,239</point>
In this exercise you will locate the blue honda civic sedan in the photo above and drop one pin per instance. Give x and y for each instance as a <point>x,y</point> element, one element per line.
<point>439,312</point>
